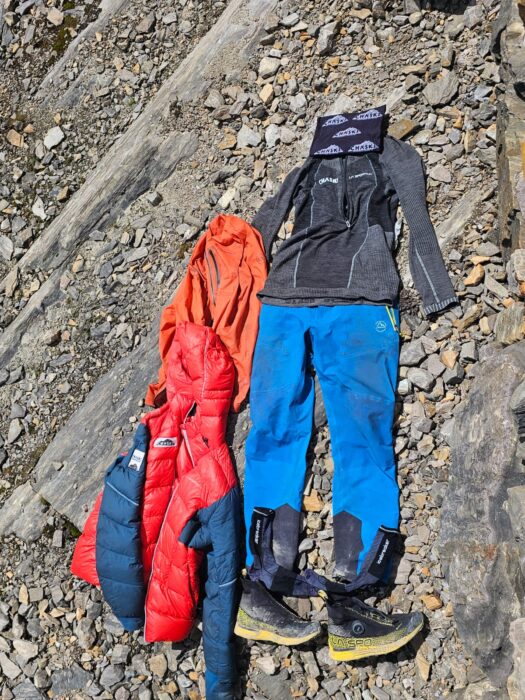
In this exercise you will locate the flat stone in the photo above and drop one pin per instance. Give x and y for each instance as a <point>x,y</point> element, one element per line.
<point>136,254</point>
<point>27,691</point>
<point>412,353</point>
<point>287,135</point>
<point>16,428</point>
<point>421,378</point>
<point>247,137</point>
<point>440,173</point>
<point>266,664</point>
<point>38,209</point>
<point>276,687</point>
<point>402,128</point>
<point>298,103</point>
<point>272,135</point>
<point>290,20</point>
<point>146,24</point>
<point>23,514</point>
<point>158,665</point>
<point>517,269</point>
<point>475,276</point>
<point>9,668</point>
<point>469,351</point>
<point>434,366</point>
<point>510,326</point>
<point>488,248</point>
<point>7,247</point>
<point>170,18</point>
<point>268,67</point>
<point>15,139</point>
<point>11,282</point>
<point>473,16</point>
<point>454,375</point>
<point>70,679</point>
<point>516,511</point>
<point>25,649</point>
<point>267,93</point>
<point>111,675</point>
<point>442,91</point>
<point>53,137</point>
<point>214,99</point>
<point>498,289</point>
<point>55,16</point>
<point>120,654</point>
<point>326,38</point>
<point>516,681</point>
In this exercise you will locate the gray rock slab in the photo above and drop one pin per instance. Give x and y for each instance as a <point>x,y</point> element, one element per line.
<point>478,550</point>
<point>144,156</point>
<point>86,445</point>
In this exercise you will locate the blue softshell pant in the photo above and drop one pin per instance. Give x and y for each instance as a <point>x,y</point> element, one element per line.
<point>355,351</point>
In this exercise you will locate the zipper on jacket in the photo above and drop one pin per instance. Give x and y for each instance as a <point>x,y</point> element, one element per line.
<point>346,212</point>
<point>217,275</point>
<point>210,278</point>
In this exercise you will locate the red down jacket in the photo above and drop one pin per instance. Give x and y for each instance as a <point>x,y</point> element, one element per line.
<point>186,502</point>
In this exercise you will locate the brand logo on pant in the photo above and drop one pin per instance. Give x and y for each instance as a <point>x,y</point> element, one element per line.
<point>380,326</point>
<point>257,531</point>
<point>383,552</point>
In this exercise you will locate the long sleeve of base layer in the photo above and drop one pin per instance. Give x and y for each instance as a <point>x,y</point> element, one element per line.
<point>275,209</point>
<point>406,172</point>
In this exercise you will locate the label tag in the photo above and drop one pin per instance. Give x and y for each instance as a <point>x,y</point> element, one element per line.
<point>260,518</point>
<point>165,442</point>
<point>136,460</point>
<point>384,552</point>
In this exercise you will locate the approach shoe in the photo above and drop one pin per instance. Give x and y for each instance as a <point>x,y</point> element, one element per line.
<point>356,630</point>
<point>264,618</point>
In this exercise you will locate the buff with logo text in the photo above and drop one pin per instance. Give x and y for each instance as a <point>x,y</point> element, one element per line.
<point>347,133</point>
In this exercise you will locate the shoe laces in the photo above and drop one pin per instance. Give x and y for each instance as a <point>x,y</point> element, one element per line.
<point>372,613</point>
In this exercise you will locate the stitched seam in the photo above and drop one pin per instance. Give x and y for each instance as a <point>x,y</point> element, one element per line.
<point>355,257</point>
<point>222,585</point>
<point>121,494</point>
<point>371,191</point>
<point>426,275</point>
<point>308,227</point>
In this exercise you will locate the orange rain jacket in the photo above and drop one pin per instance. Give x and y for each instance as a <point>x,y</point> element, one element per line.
<point>225,272</point>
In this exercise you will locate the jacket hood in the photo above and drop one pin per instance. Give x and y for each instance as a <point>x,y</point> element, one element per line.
<point>201,370</point>
<point>228,227</point>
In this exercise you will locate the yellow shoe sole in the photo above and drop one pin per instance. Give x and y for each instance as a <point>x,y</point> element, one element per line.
<point>267,636</point>
<point>362,652</point>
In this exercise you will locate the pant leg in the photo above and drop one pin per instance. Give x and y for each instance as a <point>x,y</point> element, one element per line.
<point>281,408</point>
<point>356,352</point>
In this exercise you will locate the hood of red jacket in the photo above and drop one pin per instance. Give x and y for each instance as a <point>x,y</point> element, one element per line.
<point>200,369</point>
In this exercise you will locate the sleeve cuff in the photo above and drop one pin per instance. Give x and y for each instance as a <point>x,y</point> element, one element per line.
<point>440,305</point>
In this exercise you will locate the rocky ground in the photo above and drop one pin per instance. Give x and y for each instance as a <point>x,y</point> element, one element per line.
<point>435,71</point>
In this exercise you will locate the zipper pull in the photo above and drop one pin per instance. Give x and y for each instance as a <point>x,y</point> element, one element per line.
<point>347,223</point>
<point>392,317</point>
